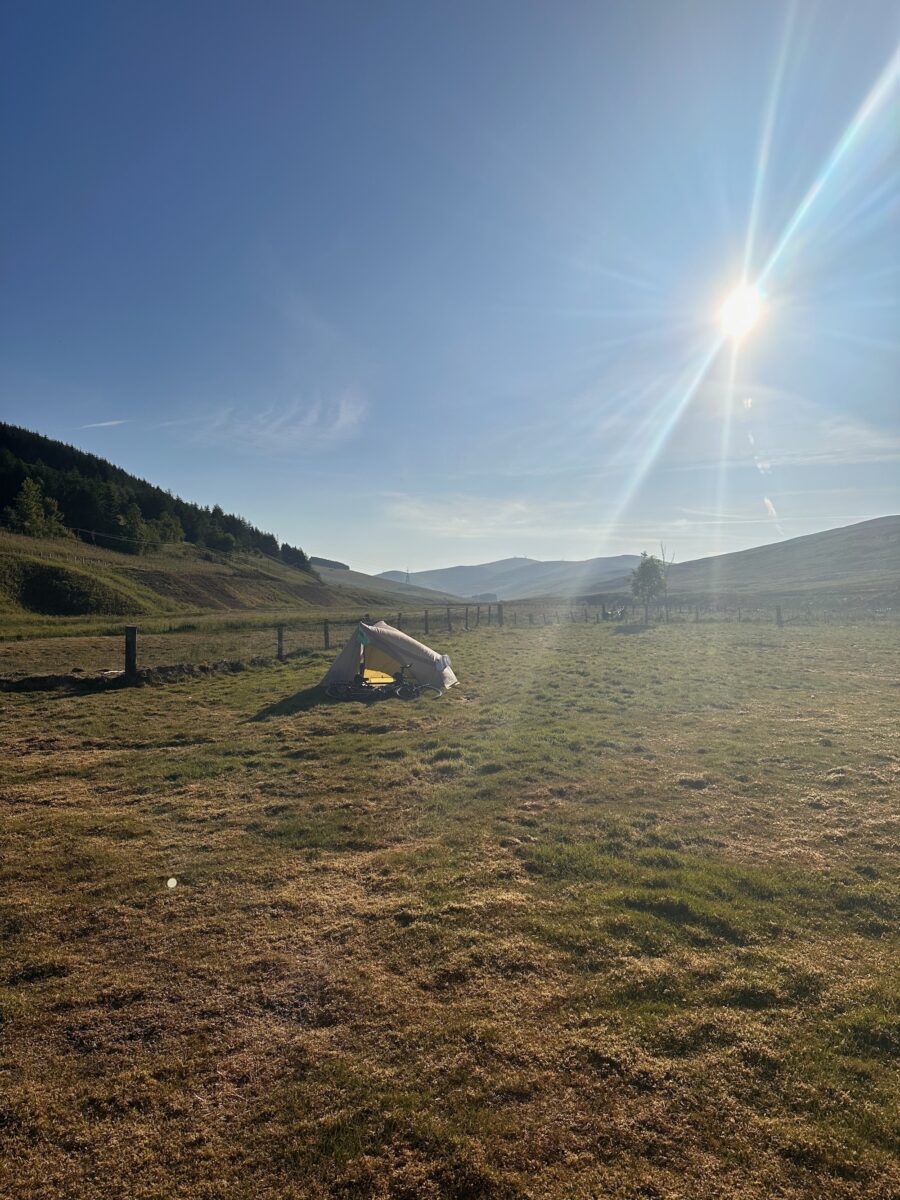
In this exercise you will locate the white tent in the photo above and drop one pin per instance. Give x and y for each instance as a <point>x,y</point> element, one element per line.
<point>382,649</point>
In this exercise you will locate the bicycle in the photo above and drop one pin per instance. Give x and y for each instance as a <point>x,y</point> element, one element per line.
<point>402,686</point>
<point>353,690</point>
<point>413,691</point>
<point>406,688</point>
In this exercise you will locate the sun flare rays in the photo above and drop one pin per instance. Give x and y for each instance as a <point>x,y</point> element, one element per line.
<point>745,307</point>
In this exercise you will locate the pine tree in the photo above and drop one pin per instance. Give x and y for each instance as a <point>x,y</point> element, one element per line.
<point>106,505</point>
<point>35,514</point>
<point>169,528</point>
<point>294,557</point>
<point>134,531</point>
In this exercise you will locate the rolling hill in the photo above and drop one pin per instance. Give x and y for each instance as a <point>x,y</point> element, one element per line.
<point>59,577</point>
<point>50,487</point>
<point>861,559</point>
<point>81,537</point>
<point>49,578</point>
<point>520,578</point>
<point>381,590</point>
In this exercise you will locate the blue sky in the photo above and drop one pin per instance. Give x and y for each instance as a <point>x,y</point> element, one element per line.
<point>413,284</point>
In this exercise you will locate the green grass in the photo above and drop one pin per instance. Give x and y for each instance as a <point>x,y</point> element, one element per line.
<point>50,587</point>
<point>616,917</point>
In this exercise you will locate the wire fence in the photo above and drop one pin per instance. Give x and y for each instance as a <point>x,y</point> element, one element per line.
<point>193,645</point>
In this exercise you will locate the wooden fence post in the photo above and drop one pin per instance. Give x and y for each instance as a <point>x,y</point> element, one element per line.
<point>399,619</point>
<point>467,616</point>
<point>489,614</point>
<point>515,617</point>
<point>449,621</point>
<point>530,617</point>
<point>500,614</point>
<point>325,634</point>
<point>696,616</point>
<point>131,652</point>
<point>478,615</point>
<point>778,618</point>
<point>280,632</point>
<point>426,620</point>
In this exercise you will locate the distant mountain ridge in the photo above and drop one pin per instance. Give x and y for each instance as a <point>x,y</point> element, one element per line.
<point>520,578</point>
<point>862,558</point>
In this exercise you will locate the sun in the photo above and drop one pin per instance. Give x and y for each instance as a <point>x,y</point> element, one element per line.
<point>740,312</point>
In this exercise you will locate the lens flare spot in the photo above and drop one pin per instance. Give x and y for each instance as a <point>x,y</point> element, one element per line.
<point>172,882</point>
<point>740,312</point>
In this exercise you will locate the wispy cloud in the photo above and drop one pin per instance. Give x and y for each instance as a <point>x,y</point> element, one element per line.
<point>513,520</point>
<point>490,518</point>
<point>576,529</point>
<point>298,426</point>
<point>103,424</point>
<point>820,517</point>
<point>845,440</point>
<point>466,516</point>
<point>779,429</point>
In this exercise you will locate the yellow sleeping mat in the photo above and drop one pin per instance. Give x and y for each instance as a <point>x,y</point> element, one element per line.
<point>377,677</point>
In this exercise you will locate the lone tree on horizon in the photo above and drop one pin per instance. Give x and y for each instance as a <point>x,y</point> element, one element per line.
<point>648,582</point>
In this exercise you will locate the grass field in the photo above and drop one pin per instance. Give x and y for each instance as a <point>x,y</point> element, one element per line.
<point>617,917</point>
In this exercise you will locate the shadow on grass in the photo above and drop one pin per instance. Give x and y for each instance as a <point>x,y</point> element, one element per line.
<point>634,628</point>
<point>303,701</point>
<point>64,684</point>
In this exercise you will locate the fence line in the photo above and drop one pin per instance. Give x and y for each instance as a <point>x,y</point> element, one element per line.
<point>284,638</point>
<point>289,641</point>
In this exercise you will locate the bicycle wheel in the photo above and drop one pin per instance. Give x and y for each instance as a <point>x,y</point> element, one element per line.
<point>337,691</point>
<point>406,691</point>
<point>429,692</point>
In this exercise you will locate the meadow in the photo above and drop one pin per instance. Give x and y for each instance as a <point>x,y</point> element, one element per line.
<point>617,917</point>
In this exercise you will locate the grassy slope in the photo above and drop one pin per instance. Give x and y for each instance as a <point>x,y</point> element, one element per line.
<point>615,924</point>
<point>862,559</point>
<point>384,590</point>
<point>175,583</point>
<point>523,577</point>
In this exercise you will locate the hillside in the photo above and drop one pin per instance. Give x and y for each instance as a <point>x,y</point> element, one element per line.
<point>381,589</point>
<point>520,578</point>
<point>861,559</point>
<point>54,578</point>
<point>81,537</point>
<point>50,488</point>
